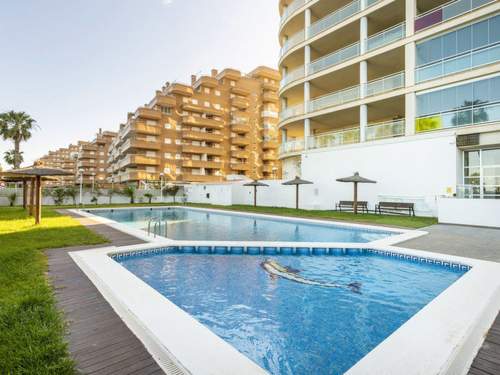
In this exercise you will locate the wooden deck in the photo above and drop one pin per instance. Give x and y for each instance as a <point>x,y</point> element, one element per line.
<point>99,341</point>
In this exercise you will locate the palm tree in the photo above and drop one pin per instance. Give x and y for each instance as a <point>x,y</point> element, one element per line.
<point>16,126</point>
<point>10,156</point>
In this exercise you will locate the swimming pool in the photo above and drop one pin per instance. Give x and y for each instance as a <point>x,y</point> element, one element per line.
<point>213,225</point>
<point>295,314</point>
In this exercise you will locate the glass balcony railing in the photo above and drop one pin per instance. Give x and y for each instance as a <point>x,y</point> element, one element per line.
<point>291,8</point>
<point>336,138</point>
<point>384,130</point>
<point>293,111</point>
<point>385,84</point>
<point>334,18</point>
<point>292,147</point>
<point>448,11</point>
<point>471,60</point>
<point>334,58</point>
<point>386,37</point>
<point>292,41</point>
<point>474,115</point>
<point>293,76</point>
<point>337,98</point>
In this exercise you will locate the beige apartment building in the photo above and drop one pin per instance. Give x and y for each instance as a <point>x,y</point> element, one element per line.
<point>92,160</point>
<point>63,158</point>
<point>404,91</point>
<point>220,126</point>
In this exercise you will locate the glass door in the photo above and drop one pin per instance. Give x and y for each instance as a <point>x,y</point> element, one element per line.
<point>482,174</point>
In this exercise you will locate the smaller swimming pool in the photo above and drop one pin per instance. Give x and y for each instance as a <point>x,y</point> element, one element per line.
<point>214,225</point>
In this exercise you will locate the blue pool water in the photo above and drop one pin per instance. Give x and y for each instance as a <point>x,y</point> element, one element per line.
<point>289,327</point>
<point>186,224</point>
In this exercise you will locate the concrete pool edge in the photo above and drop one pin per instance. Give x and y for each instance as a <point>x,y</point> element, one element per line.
<point>400,235</point>
<point>438,339</point>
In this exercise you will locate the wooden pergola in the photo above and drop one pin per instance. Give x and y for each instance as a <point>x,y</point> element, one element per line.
<point>33,176</point>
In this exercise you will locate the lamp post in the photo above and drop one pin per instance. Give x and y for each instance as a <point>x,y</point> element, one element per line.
<point>161,186</point>
<point>80,171</point>
<point>112,182</point>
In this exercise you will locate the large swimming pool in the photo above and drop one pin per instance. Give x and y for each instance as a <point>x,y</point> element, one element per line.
<point>295,314</point>
<point>191,224</point>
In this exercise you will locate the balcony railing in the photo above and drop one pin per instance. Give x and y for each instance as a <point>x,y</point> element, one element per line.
<point>446,12</point>
<point>385,84</point>
<point>293,76</point>
<point>470,60</point>
<point>478,191</point>
<point>292,7</point>
<point>293,111</point>
<point>386,37</point>
<point>475,115</point>
<point>334,18</point>
<point>334,58</point>
<point>292,147</point>
<point>384,130</point>
<point>336,138</point>
<point>337,98</point>
<point>292,41</point>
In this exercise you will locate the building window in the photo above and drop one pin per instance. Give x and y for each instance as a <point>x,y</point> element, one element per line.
<point>463,49</point>
<point>207,90</point>
<point>168,141</point>
<point>178,156</point>
<point>481,174</point>
<point>207,104</point>
<point>168,155</point>
<point>194,101</point>
<point>168,126</point>
<point>472,103</point>
<point>217,93</point>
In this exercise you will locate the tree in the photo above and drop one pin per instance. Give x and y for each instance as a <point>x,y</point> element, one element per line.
<point>171,190</point>
<point>10,157</point>
<point>58,194</point>
<point>71,192</point>
<point>149,196</point>
<point>12,199</point>
<point>129,191</point>
<point>18,127</point>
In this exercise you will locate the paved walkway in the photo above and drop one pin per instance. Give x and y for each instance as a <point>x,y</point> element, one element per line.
<point>472,242</point>
<point>99,341</point>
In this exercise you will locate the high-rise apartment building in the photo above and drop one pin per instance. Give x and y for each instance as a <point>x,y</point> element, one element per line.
<point>407,92</point>
<point>63,158</point>
<point>92,160</point>
<point>220,125</point>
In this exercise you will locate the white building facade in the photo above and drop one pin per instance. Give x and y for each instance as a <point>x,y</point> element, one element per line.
<point>406,92</point>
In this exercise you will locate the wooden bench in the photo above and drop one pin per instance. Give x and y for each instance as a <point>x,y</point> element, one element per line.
<point>400,208</point>
<point>349,206</point>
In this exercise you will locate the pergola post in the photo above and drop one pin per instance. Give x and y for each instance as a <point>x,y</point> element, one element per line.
<point>25,193</point>
<point>255,196</point>
<point>38,203</point>
<point>32,197</point>
<point>296,197</point>
<point>355,203</point>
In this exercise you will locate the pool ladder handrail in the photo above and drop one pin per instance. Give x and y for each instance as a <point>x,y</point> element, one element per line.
<point>157,226</point>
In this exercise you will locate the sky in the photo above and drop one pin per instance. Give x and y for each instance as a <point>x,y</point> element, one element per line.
<point>79,65</point>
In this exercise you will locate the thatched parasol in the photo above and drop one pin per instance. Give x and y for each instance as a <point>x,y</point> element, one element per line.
<point>297,181</point>
<point>255,184</point>
<point>356,179</point>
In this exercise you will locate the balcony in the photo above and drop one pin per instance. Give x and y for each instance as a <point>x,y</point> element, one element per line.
<point>240,141</point>
<point>202,122</point>
<point>386,37</point>
<point>89,147</point>
<point>240,154</point>
<point>296,110</point>
<point>84,164</point>
<point>270,97</point>
<point>292,41</point>
<point>190,149</point>
<point>164,101</point>
<point>139,160</point>
<point>201,164</point>
<point>270,144</point>
<point>241,128</point>
<point>269,156</point>
<point>385,130</point>
<point>290,9</point>
<point>335,138</point>
<point>142,128</point>
<point>446,12</point>
<point>206,81</point>
<point>269,168</point>
<point>202,136</point>
<point>202,109</point>
<point>385,84</point>
<point>148,113</point>
<point>270,86</point>
<point>269,114</point>
<point>139,176</point>
<point>240,91</point>
<point>334,18</point>
<point>292,76</point>
<point>181,89</point>
<point>241,103</point>
<point>201,178</point>
<point>141,144</point>
<point>334,99</point>
<point>240,166</point>
<point>335,58</point>
<point>292,147</point>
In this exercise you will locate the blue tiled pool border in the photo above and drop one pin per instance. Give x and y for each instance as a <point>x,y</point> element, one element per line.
<point>283,250</point>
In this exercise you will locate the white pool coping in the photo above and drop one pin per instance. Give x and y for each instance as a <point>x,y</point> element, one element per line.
<point>442,338</point>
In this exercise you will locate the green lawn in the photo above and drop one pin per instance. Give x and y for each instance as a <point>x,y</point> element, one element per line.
<point>386,220</point>
<point>31,328</point>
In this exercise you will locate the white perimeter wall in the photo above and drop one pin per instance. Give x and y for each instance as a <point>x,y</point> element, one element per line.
<point>414,169</point>
<point>480,212</point>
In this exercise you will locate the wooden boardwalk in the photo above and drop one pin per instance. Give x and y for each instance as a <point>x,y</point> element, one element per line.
<point>99,341</point>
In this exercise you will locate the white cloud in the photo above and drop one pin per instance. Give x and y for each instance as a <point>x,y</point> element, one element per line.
<point>167,2</point>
